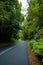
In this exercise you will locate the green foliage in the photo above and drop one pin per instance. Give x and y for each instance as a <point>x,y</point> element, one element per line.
<point>10,19</point>
<point>42,60</point>
<point>32,28</point>
<point>13,40</point>
<point>37,46</point>
<point>34,19</point>
<point>37,64</point>
<point>32,43</point>
<point>25,29</point>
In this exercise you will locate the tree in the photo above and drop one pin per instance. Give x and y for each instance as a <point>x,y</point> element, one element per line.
<point>10,17</point>
<point>34,18</point>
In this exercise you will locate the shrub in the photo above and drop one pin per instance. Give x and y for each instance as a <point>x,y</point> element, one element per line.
<point>37,46</point>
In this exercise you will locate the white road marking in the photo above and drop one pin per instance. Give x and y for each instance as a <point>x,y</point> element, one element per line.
<point>6,50</point>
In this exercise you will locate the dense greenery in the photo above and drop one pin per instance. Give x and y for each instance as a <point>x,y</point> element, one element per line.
<point>32,28</point>
<point>37,46</point>
<point>10,19</point>
<point>33,25</point>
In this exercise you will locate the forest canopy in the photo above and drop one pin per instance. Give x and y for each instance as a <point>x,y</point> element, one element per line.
<point>10,19</point>
<point>33,25</point>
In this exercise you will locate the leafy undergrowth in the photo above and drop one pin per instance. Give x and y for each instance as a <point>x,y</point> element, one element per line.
<point>37,48</point>
<point>13,40</point>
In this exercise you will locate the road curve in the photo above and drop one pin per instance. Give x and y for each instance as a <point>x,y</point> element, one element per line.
<point>15,56</point>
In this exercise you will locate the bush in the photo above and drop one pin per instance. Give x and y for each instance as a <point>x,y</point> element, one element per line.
<point>37,46</point>
<point>13,40</point>
<point>31,43</point>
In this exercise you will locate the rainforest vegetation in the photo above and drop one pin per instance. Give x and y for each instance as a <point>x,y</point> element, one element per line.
<point>11,20</point>
<point>32,28</point>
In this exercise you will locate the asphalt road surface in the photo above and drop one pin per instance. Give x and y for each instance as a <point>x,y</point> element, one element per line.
<point>15,55</point>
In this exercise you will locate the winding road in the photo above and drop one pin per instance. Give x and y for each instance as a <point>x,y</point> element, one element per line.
<point>15,55</point>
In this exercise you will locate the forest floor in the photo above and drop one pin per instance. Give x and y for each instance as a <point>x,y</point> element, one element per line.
<point>32,57</point>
